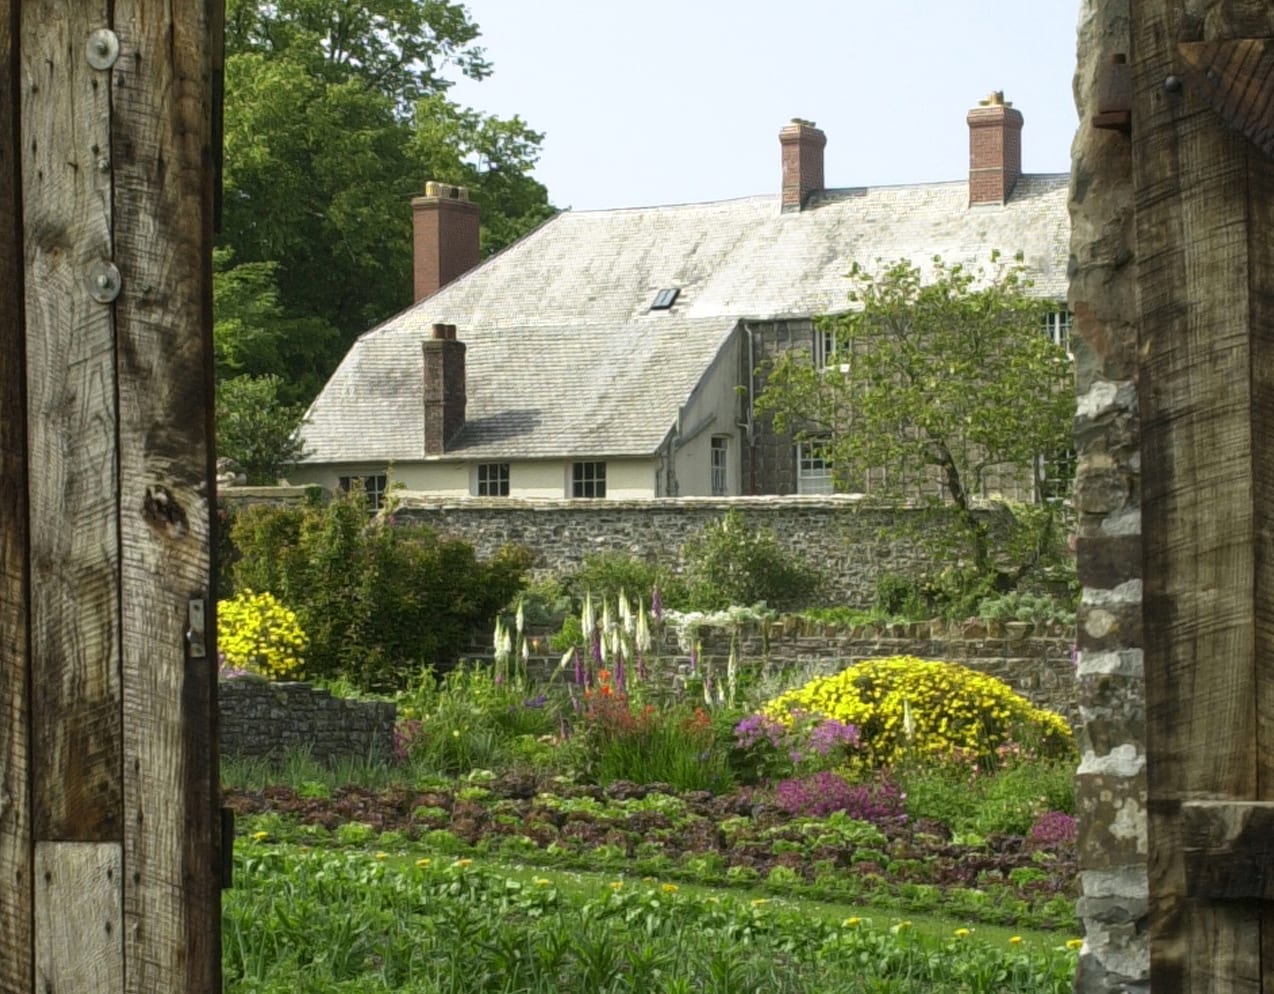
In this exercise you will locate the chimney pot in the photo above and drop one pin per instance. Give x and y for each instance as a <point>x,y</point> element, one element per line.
<point>802,145</point>
<point>995,150</point>
<point>445,236</point>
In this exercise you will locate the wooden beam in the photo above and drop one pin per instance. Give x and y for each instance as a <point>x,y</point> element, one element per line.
<point>1229,850</point>
<point>71,426</point>
<point>161,150</point>
<point>1236,77</point>
<point>1203,396</point>
<point>16,896</point>
<point>78,921</point>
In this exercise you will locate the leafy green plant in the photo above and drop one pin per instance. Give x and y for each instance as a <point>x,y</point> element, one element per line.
<point>733,563</point>
<point>378,601</point>
<point>1025,606</point>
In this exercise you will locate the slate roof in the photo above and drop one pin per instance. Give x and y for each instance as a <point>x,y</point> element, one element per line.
<point>565,357</point>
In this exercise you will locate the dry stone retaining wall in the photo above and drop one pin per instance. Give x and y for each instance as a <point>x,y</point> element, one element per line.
<point>263,720</point>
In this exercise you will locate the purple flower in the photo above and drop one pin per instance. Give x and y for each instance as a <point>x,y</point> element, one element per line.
<point>534,703</point>
<point>755,727</point>
<point>831,733</point>
<point>579,669</point>
<point>1052,830</point>
<point>823,793</point>
<point>621,682</point>
<point>656,604</point>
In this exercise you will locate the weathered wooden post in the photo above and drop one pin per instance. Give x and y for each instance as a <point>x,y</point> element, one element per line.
<point>109,836</point>
<point>1202,128</point>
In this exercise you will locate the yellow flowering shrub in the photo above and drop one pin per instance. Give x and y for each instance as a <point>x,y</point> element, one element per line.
<point>258,633</point>
<point>906,707</point>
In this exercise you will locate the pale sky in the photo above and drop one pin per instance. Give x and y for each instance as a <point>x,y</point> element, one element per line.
<point>675,101</point>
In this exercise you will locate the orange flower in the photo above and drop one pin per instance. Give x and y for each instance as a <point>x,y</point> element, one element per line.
<point>603,676</point>
<point>606,691</point>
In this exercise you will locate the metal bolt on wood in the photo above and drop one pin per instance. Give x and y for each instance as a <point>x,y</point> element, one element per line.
<point>103,48</point>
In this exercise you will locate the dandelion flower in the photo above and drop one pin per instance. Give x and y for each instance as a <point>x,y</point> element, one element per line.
<point>382,855</point>
<point>962,933</point>
<point>422,863</point>
<point>615,885</point>
<point>852,922</point>
<point>669,888</point>
<point>760,901</point>
<point>260,836</point>
<point>542,881</point>
<point>900,927</point>
<point>1074,943</point>
<point>1015,940</point>
<point>463,862</point>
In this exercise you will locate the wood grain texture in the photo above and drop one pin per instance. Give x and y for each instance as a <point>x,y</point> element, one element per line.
<point>1201,415</point>
<point>1237,78</point>
<point>71,426</point>
<point>1260,192</point>
<point>16,898</point>
<point>1228,848</point>
<point>161,133</point>
<point>78,935</point>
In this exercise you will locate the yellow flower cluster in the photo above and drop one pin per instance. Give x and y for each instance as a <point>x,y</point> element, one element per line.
<point>906,707</point>
<point>256,632</point>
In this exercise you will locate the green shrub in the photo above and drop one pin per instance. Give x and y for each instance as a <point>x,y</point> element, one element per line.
<point>733,563</point>
<point>905,708</point>
<point>1019,606</point>
<point>607,574</point>
<point>378,601</point>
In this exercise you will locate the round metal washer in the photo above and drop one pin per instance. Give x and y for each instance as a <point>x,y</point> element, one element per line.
<point>102,48</point>
<point>104,282</point>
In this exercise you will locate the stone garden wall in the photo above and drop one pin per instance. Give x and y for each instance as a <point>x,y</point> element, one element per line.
<point>261,720</point>
<point>837,535</point>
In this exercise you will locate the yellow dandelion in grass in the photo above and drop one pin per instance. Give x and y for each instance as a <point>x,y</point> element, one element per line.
<point>852,922</point>
<point>900,927</point>
<point>962,933</point>
<point>760,901</point>
<point>260,836</point>
<point>714,900</point>
<point>382,855</point>
<point>616,884</point>
<point>542,881</point>
<point>1015,940</point>
<point>668,888</point>
<point>1074,943</point>
<point>463,862</point>
<point>422,863</point>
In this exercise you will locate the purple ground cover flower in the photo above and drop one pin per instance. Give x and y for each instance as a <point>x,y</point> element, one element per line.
<point>1053,829</point>
<point>822,793</point>
<point>829,734</point>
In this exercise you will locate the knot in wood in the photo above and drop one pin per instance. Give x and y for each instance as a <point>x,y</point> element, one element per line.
<point>163,513</point>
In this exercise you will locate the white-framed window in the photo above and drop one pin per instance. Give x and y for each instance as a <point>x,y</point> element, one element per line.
<point>826,345</point>
<point>1057,325</point>
<point>491,479</point>
<point>588,479</point>
<point>1055,475</point>
<point>814,467</point>
<point>374,487</point>
<point>720,465</point>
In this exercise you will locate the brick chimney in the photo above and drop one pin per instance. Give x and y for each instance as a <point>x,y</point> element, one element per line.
<point>444,388</point>
<point>802,162</point>
<point>445,236</point>
<point>995,150</point>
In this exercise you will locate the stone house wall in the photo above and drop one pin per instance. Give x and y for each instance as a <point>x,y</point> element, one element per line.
<point>264,720</point>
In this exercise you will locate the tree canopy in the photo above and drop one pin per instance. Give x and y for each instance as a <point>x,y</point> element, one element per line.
<point>931,389</point>
<point>336,113</point>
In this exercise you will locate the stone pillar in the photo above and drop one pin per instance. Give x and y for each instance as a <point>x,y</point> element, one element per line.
<point>1111,783</point>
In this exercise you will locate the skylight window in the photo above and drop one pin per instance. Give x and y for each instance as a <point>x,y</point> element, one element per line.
<point>664,299</point>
